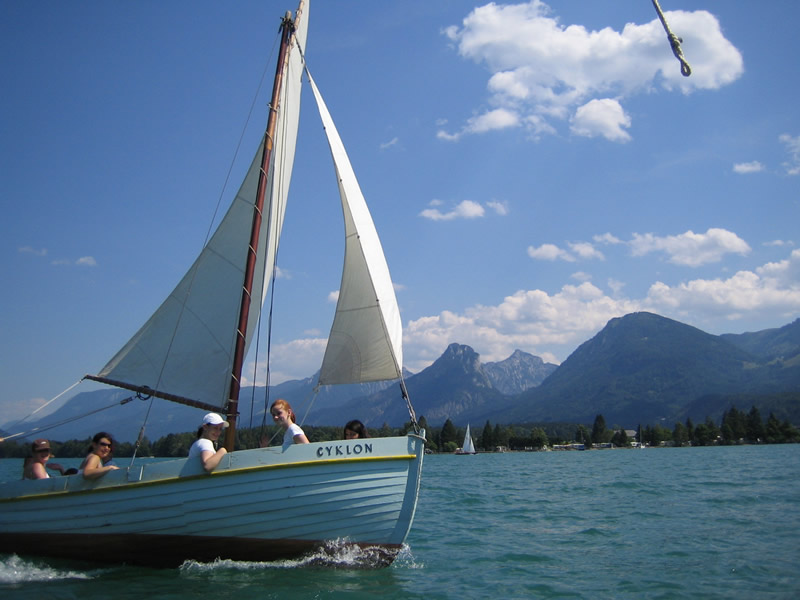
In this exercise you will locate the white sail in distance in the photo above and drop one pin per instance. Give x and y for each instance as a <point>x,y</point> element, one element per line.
<point>468,447</point>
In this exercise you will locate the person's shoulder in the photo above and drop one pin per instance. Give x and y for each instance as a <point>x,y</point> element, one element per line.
<point>201,445</point>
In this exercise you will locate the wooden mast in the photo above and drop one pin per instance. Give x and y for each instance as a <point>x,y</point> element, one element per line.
<point>287,31</point>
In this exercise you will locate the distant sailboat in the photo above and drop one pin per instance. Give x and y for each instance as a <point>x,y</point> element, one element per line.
<point>467,447</point>
<point>264,503</point>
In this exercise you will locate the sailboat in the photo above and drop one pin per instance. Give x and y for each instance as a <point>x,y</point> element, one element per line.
<point>259,504</point>
<point>467,447</point>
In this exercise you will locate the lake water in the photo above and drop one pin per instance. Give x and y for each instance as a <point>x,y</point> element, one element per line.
<point>718,522</point>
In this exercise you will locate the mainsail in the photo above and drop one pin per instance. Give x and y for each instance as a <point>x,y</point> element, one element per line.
<point>186,348</point>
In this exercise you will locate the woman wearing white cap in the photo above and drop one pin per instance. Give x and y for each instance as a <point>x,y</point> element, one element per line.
<point>207,437</point>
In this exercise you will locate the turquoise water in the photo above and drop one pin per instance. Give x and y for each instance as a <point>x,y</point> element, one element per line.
<point>657,523</point>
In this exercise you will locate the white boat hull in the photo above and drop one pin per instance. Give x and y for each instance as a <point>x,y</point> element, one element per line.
<point>261,504</point>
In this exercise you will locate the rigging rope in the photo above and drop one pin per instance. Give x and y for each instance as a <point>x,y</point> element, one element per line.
<point>71,419</point>
<point>674,41</point>
<point>49,402</point>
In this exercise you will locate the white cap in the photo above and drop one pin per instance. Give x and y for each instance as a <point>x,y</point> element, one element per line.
<point>214,419</point>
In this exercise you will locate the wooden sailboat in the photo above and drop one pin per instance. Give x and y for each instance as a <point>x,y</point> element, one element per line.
<point>468,447</point>
<point>259,504</point>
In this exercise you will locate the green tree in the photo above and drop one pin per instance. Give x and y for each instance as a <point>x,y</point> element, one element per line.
<point>501,435</point>
<point>487,439</point>
<point>660,434</point>
<point>538,438</point>
<point>680,436</point>
<point>423,423</point>
<point>773,430</point>
<point>450,447</point>
<point>582,436</point>
<point>733,427</point>
<point>789,433</point>
<point>598,430</point>
<point>620,439</point>
<point>449,434</point>
<point>755,431</point>
<point>706,433</point>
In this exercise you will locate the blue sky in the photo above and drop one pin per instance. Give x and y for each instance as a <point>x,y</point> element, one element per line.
<point>534,170</point>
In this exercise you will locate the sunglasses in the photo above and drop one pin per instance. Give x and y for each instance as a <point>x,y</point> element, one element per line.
<point>104,444</point>
<point>43,450</point>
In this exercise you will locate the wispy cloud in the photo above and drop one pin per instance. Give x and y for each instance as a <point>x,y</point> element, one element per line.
<point>393,142</point>
<point>577,250</point>
<point>501,208</point>
<point>490,121</point>
<point>466,209</point>
<point>544,72</point>
<point>607,238</point>
<point>688,249</point>
<point>34,251</point>
<point>792,144</point>
<point>84,261</point>
<point>749,167</point>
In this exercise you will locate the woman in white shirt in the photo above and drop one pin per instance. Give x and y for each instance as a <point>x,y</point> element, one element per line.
<point>283,415</point>
<point>205,446</point>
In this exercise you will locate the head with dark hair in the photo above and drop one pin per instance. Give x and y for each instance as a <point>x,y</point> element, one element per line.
<point>102,444</point>
<point>355,430</point>
<point>99,436</point>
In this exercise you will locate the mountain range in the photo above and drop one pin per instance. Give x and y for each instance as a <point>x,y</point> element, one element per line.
<point>639,369</point>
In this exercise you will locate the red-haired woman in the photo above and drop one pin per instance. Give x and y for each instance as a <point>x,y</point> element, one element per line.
<point>283,415</point>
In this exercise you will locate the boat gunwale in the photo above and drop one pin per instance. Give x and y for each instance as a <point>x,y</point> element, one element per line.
<point>225,472</point>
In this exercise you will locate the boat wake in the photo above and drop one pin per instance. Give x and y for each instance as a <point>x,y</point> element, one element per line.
<point>336,554</point>
<point>15,570</point>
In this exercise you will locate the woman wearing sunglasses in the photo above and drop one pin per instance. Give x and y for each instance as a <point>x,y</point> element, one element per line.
<point>92,466</point>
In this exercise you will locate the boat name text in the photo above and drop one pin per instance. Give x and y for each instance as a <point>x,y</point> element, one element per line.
<point>343,450</point>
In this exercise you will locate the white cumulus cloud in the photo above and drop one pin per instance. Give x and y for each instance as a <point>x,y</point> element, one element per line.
<point>604,118</point>
<point>552,325</point>
<point>543,71</point>
<point>549,252</point>
<point>691,249</point>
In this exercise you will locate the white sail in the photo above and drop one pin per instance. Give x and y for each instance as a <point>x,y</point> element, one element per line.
<point>365,342</point>
<point>468,447</point>
<point>186,347</point>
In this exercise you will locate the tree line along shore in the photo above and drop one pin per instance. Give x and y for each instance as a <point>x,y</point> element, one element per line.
<point>735,427</point>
